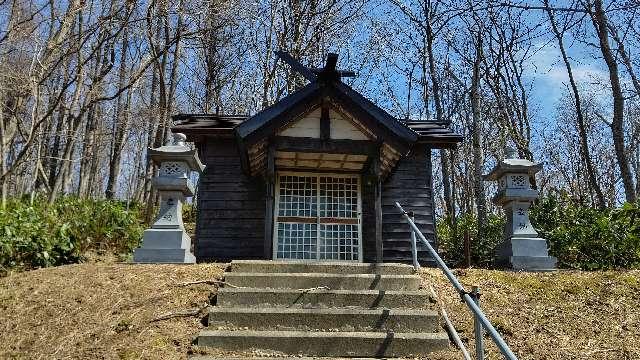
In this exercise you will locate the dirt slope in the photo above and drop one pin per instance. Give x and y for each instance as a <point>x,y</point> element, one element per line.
<point>560,315</point>
<point>101,311</point>
<point>106,311</point>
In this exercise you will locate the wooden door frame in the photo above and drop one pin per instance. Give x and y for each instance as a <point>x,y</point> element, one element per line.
<point>276,210</point>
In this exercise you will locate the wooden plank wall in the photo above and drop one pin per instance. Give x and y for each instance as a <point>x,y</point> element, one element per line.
<point>410,185</point>
<point>231,206</point>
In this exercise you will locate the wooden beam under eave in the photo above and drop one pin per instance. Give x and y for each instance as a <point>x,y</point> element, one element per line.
<point>341,146</point>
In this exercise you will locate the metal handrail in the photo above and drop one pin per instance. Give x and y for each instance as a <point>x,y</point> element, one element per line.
<point>465,295</point>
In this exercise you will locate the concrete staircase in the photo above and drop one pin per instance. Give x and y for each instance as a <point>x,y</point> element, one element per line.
<point>324,309</point>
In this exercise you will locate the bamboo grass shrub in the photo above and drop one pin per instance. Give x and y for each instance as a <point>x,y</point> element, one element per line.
<point>34,234</point>
<point>580,236</point>
<point>451,240</point>
<point>584,237</point>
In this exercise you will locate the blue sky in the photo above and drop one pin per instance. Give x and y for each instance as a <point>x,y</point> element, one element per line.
<point>549,79</point>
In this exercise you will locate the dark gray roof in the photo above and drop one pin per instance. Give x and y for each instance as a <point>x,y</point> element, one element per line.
<point>433,132</point>
<point>436,133</point>
<point>206,124</point>
<point>324,84</point>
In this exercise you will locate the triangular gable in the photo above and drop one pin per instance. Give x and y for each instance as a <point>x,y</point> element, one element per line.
<point>342,127</point>
<point>269,120</point>
<point>346,100</point>
<point>307,126</point>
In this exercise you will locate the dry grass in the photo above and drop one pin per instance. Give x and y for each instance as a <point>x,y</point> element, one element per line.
<point>560,315</point>
<point>105,311</point>
<point>101,311</point>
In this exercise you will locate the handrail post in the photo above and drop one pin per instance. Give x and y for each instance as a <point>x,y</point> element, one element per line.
<point>472,303</point>
<point>414,245</point>
<point>477,325</point>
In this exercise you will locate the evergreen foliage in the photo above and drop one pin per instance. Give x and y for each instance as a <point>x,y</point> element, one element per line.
<point>580,236</point>
<point>583,237</point>
<point>34,234</point>
<point>452,242</point>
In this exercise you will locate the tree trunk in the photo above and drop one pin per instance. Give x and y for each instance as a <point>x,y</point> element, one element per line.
<point>478,186</point>
<point>454,221</point>
<point>3,165</point>
<point>626,60</point>
<point>599,19</point>
<point>63,173</point>
<point>584,144</point>
<point>437,99</point>
<point>446,185</point>
<point>121,124</point>
<point>88,153</point>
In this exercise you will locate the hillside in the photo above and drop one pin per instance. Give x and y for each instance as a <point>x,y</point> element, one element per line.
<point>94,311</point>
<point>561,315</point>
<point>107,311</point>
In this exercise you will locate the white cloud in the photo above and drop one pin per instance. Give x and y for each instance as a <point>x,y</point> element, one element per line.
<point>549,77</point>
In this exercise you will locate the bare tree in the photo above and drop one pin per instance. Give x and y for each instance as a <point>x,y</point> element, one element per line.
<point>601,24</point>
<point>584,145</point>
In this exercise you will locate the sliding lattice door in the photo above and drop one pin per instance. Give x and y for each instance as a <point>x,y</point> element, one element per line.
<point>317,217</point>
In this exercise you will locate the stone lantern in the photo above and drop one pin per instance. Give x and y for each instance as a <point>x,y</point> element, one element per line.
<point>522,248</point>
<point>167,241</point>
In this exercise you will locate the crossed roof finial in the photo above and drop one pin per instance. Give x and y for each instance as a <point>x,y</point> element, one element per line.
<point>326,73</point>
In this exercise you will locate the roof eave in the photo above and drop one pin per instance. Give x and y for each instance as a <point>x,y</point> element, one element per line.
<point>396,127</point>
<point>260,123</point>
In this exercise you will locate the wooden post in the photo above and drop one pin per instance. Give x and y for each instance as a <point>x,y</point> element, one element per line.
<point>378,208</point>
<point>325,123</point>
<point>269,198</point>
<point>467,249</point>
<point>379,249</point>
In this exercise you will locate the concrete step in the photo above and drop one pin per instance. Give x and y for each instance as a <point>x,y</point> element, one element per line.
<point>345,344</point>
<point>270,318</point>
<point>332,281</point>
<point>269,266</point>
<point>366,299</point>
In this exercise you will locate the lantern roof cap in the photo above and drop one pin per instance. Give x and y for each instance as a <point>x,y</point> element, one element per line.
<point>512,165</point>
<point>177,151</point>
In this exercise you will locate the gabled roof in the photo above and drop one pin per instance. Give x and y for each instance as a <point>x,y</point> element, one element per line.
<point>381,123</point>
<point>324,89</point>
<point>206,124</point>
<point>437,134</point>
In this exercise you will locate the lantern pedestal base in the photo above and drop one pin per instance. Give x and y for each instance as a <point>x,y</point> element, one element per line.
<point>164,246</point>
<point>528,254</point>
